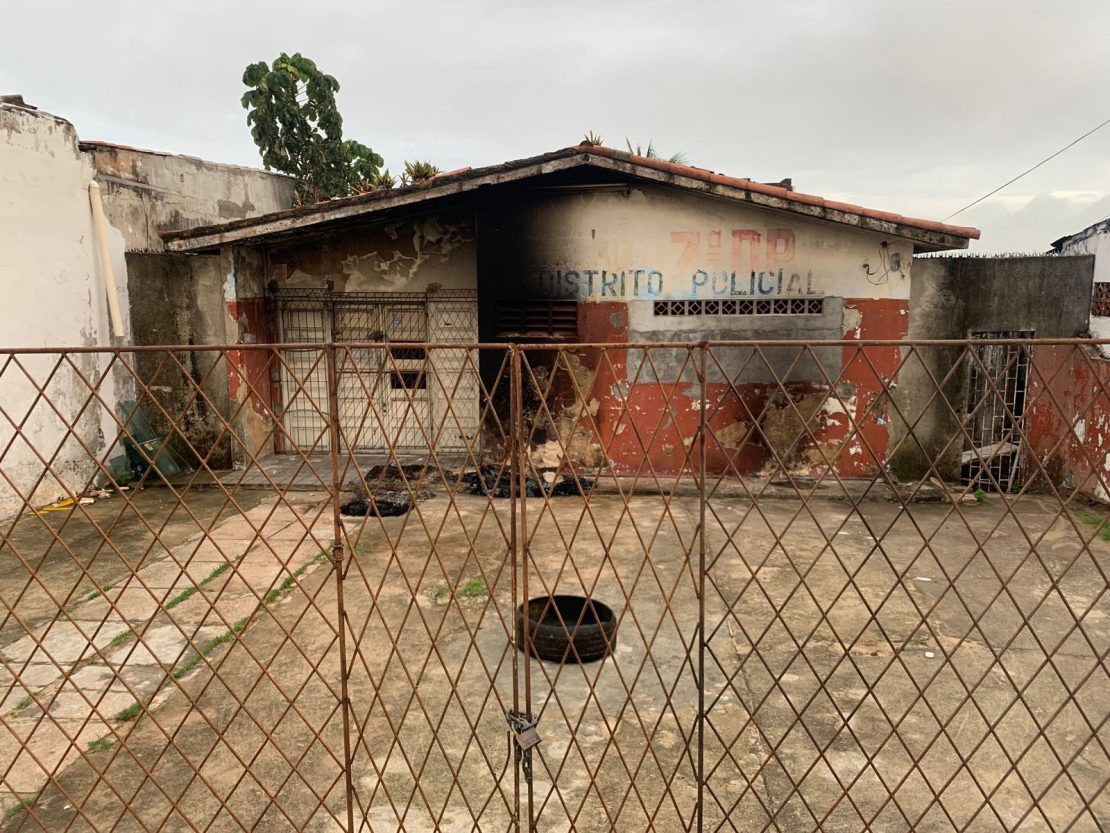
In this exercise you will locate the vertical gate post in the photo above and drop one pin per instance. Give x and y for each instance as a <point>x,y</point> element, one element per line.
<point>514,548</point>
<point>520,485</point>
<point>337,564</point>
<point>703,379</point>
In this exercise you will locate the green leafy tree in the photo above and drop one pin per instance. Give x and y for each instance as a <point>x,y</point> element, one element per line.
<point>293,118</point>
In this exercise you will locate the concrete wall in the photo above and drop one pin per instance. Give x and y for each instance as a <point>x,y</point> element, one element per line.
<point>954,297</point>
<point>147,192</point>
<point>52,293</point>
<point>621,250</point>
<point>181,299</point>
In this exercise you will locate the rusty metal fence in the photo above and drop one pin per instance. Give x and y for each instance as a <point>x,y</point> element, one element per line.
<point>838,607</point>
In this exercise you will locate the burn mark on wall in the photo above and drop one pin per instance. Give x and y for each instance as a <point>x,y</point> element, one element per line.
<point>388,258</point>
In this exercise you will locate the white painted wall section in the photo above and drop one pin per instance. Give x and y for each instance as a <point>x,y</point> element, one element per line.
<point>52,293</point>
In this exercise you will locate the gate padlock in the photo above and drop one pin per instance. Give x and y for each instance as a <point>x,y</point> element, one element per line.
<point>527,738</point>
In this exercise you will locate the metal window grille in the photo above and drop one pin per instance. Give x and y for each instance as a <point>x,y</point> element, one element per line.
<point>383,396</point>
<point>1100,300</point>
<point>537,318</point>
<point>745,306</point>
<point>998,382</point>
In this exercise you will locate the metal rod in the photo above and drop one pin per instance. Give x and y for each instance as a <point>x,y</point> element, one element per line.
<point>337,563</point>
<point>703,395</point>
<point>514,556</point>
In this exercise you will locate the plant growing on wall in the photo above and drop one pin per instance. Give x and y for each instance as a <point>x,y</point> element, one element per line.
<point>293,118</point>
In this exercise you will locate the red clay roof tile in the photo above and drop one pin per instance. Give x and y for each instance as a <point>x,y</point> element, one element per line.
<point>693,172</point>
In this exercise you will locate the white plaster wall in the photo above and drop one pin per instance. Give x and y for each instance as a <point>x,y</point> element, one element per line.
<point>52,294</point>
<point>1097,243</point>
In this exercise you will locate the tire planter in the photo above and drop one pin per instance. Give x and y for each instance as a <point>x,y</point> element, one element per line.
<point>587,631</point>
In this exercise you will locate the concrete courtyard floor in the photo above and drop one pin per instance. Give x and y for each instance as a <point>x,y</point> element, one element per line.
<point>871,665</point>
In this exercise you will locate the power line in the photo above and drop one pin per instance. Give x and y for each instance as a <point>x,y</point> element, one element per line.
<point>1023,173</point>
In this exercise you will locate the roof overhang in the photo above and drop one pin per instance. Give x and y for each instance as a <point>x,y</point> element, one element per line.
<point>926,235</point>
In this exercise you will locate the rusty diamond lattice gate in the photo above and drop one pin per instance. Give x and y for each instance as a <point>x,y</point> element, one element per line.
<point>818,627</point>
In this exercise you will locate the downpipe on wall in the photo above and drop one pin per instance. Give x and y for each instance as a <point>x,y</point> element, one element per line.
<point>100,227</point>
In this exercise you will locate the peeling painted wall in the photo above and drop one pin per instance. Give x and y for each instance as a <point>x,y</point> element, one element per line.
<point>621,251</point>
<point>1068,420</point>
<point>413,255</point>
<point>52,293</point>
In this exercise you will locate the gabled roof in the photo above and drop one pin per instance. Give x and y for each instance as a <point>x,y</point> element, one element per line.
<point>927,235</point>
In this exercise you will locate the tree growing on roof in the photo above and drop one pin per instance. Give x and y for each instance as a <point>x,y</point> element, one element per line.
<point>293,118</point>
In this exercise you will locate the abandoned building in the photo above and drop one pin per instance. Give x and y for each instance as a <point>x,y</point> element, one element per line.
<point>259,641</point>
<point>590,246</point>
<point>583,246</point>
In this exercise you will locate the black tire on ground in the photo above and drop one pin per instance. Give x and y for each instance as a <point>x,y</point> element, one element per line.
<point>590,624</point>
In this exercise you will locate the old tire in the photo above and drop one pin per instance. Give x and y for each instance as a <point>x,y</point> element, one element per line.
<point>587,632</point>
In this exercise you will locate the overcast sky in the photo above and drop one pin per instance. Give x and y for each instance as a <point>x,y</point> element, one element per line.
<point>916,107</point>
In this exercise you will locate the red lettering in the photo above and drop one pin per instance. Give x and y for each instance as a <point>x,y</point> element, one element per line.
<point>780,247</point>
<point>691,239</point>
<point>740,237</point>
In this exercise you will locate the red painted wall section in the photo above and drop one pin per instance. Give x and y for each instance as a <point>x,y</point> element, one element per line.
<point>861,427</point>
<point>249,370</point>
<point>1067,420</point>
<point>641,424</point>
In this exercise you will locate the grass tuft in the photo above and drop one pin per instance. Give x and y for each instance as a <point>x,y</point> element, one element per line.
<point>221,568</point>
<point>471,589</point>
<point>1095,519</point>
<point>291,579</point>
<point>100,745</point>
<point>208,647</point>
<point>22,704</point>
<point>92,594</point>
<point>179,598</point>
<point>121,637</point>
<point>130,713</point>
<point>474,588</point>
<point>21,806</point>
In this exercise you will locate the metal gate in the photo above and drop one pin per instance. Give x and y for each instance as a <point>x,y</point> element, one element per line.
<point>804,641</point>
<point>384,396</point>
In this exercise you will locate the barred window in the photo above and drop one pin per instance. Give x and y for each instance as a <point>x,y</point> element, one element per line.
<point>743,306</point>
<point>1100,300</point>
